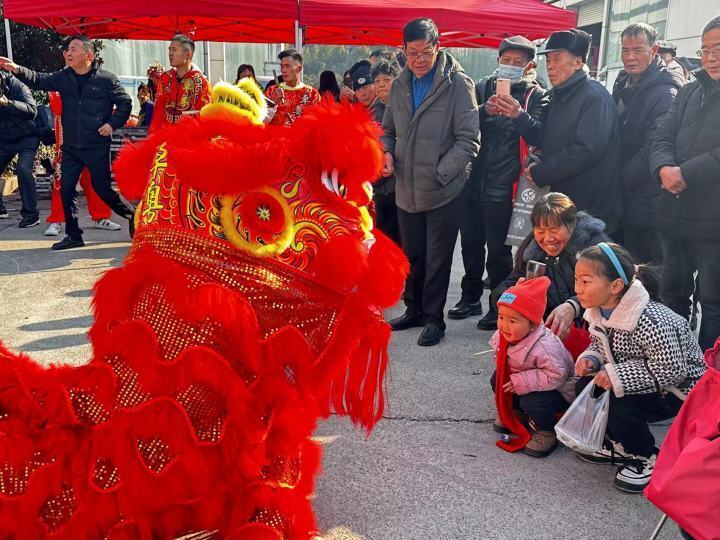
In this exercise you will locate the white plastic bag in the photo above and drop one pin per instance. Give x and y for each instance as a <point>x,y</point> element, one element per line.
<point>582,427</point>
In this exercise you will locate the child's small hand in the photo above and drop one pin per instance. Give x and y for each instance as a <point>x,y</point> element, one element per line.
<point>602,379</point>
<point>508,387</point>
<point>584,367</point>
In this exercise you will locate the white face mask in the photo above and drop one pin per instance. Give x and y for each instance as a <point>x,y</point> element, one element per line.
<point>514,73</point>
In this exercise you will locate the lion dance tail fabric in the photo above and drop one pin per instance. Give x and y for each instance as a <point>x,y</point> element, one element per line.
<point>249,306</point>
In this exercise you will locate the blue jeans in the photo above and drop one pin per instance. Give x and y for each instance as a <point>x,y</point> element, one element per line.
<point>682,257</point>
<point>25,149</point>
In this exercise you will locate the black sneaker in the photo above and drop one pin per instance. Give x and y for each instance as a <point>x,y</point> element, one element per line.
<point>4,213</point>
<point>68,243</point>
<point>431,335</point>
<point>26,223</point>
<point>464,309</point>
<point>488,322</point>
<point>634,477</point>
<point>612,453</point>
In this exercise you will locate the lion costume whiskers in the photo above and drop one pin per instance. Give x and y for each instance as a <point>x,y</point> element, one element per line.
<point>250,305</point>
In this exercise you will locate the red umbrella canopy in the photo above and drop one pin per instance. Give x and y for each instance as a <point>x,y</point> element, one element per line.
<point>462,23</point>
<point>269,21</point>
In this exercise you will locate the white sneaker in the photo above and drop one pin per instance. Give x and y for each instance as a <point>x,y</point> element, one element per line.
<point>53,229</point>
<point>634,477</point>
<point>106,225</point>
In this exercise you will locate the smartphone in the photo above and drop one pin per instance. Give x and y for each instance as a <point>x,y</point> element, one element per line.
<point>535,269</point>
<point>502,87</point>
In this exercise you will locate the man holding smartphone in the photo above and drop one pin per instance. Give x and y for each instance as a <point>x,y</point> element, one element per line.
<point>488,206</point>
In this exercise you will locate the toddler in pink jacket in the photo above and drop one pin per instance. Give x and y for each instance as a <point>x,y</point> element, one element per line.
<point>540,368</point>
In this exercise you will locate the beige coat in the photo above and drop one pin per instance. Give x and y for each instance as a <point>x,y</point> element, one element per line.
<point>434,147</point>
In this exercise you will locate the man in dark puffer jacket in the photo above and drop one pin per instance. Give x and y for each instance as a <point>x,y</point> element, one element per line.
<point>644,92</point>
<point>686,158</point>
<point>89,95</point>
<point>17,137</point>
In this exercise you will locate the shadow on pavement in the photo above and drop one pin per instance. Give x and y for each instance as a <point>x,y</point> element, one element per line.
<point>55,342</point>
<point>43,259</point>
<point>59,324</point>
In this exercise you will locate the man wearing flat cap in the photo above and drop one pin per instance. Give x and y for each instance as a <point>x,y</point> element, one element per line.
<point>504,120</point>
<point>580,140</point>
<point>668,51</point>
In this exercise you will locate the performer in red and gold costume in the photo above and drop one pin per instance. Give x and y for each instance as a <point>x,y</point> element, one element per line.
<point>250,304</point>
<point>99,211</point>
<point>291,96</point>
<point>182,89</point>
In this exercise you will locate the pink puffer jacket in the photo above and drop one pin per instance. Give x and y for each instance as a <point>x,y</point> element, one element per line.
<point>540,363</point>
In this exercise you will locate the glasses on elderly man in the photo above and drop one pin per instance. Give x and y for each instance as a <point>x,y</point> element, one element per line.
<point>427,54</point>
<point>707,52</point>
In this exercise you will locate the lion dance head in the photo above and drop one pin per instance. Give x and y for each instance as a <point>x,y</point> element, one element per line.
<point>250,305</point>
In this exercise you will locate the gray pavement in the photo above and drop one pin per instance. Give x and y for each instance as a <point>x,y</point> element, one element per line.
<point>430,470</point>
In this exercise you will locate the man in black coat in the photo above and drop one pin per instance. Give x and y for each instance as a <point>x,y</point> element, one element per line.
<point>685,156</point>
<point>580,141</point>
<point>488,205</point>
<point>94,104</point>
<point>644,92</point>
<point>18,138</point>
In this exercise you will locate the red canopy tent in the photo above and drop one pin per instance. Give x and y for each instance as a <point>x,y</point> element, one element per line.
<point>463,23</point>
<point>269,21</point>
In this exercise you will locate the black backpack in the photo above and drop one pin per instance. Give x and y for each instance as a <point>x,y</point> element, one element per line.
<point>45,125</point>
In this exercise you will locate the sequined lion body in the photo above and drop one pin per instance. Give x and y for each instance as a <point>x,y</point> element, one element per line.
<point>249,306</point>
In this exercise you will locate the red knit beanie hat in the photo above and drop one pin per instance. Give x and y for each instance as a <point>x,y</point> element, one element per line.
<point>529,298</point>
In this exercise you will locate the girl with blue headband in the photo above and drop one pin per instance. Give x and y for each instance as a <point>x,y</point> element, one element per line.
<point>641,352</point>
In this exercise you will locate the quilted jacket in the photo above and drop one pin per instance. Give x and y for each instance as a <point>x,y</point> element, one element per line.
<point>645,346</point>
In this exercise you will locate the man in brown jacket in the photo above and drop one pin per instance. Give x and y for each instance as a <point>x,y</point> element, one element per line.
<point>432,134</point>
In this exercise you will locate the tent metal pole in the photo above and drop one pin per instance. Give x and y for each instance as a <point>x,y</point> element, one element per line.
<point>8,39</point>
<point>298,37</point>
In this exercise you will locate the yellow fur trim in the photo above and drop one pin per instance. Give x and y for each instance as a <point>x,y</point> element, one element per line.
<point>231,100</point>
<point>227,219</point>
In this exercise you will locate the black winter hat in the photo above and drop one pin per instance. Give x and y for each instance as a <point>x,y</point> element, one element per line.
<point>520,43</point>
<point>574,41</point>
<point>361,74</point>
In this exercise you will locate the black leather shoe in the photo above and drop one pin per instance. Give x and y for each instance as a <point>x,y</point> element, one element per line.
<point>488,322</point>
<point>405,321</point>
<point>431,335</point>
<point>68,243</point>
<point>464,309</point>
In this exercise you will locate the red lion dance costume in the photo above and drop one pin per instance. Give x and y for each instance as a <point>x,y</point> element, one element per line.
<point>248,306</point>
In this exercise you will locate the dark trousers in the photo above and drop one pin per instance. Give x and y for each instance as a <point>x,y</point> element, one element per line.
<point>25,149</point>
<point>97,160</point>
<point>484,223</point>
<point>643,244</point>
<point>682,257</point>
<point>541,407</point>
<point>629,416</point>
<point>386,215</point>
<point>428,239</point>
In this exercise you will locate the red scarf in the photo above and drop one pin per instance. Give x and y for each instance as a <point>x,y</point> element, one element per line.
<point>504,403</point>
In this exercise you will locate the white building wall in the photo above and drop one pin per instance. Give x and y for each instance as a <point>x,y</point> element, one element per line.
<point>686,19</point>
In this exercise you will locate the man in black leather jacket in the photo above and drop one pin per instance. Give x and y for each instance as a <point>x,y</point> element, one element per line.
<point>94,104</point>
<point>488,205</point>
<point>17,137</point>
